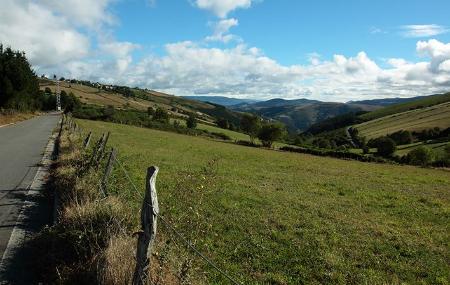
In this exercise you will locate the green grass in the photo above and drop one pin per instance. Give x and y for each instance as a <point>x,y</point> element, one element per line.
<point>403,107</point>
<point>272,217</point>
<point>414,120</point>
<point>438,148</point>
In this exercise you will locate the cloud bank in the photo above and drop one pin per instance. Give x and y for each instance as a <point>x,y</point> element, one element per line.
<point>55,44</point>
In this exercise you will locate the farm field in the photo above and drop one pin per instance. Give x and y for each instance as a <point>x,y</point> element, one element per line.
<point>437,147</point>
<point>403,107</point>
<point>414,120</point>
<point>272,217</point>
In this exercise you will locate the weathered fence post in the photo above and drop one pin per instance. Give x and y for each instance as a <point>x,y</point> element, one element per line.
<point>102,148</point>
<point>108,169</point>
<point>147,235</point>
<point>96,150</point>
<point>87,140</point>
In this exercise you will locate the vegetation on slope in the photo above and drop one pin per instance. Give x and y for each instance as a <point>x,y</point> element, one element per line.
<point>403,107</point>
<point>348,222</point>
<point>413,120</point>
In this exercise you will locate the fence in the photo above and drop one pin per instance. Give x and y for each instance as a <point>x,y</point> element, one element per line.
<point>149,213</point>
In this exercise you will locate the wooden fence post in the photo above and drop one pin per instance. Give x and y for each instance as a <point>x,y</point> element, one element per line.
<point>96,150</point>
<point>102,148</point>
<point>146,236</point>
<point>108,169</point>
<point>87,140</point>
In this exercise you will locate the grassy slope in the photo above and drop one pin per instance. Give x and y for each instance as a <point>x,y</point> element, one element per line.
<point>91,95</point>
<point>291,218</point>
<point>398,108</point>
<point>414,120</point>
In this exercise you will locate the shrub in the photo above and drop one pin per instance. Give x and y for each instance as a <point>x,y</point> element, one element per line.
<point>422,156</point>
<point>386,146</point>
<point>161,115</point>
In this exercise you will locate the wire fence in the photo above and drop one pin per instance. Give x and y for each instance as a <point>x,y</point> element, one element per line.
<point>104,184</point>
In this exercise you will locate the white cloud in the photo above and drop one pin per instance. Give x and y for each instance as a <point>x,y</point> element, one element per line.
<point>89,13</point>
<point>54,43</point>
<point>423,31</point>
<point>46,38</point>
<point>221,30</point>
<point>189,68</point>
<point>221,8</point>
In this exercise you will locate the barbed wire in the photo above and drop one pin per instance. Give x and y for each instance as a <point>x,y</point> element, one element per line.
<point>176,233</point>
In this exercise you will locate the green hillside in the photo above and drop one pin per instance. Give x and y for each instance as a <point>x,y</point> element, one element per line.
<point>403,107</point>
<point>142,99</point>
<point>412,120</point>
<point>270,217</point>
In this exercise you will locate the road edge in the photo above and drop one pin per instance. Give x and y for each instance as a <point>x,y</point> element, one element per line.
<point>41,177</point>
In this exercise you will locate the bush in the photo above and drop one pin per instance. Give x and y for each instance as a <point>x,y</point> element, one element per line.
<point>386,146</point>
<point>161,115</point>
<point>422,156</point>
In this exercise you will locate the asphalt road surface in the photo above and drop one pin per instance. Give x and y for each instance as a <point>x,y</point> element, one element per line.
<point>21,149</point>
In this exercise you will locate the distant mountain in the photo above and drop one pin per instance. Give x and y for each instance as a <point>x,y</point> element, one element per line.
<point>300,114</point>
<point>385,101</point>
<point>221,100</point>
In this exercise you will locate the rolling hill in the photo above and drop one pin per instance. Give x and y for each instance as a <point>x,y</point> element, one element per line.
<point>300,114</point>
<point>412,120</point>
<point>143,99</point>
<point>221,100</point>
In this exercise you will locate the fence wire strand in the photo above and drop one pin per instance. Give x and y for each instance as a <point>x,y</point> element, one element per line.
<point>176,233</point>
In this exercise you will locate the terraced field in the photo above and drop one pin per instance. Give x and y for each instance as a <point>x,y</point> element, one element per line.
<point>414,120</point>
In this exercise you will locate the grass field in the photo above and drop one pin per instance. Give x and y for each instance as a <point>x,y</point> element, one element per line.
<point>283,218</point>
<point>437,147</point>
<point>414,120</point>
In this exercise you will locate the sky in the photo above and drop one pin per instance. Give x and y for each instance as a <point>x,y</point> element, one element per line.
<point>260,49</point>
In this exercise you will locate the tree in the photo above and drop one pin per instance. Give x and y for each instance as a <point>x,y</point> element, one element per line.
<point>69,102</point>
<point>402,137</point>
<point>270,133</point>
<point>251,125</point>
<point>223,123</point>
<point>19,87</point>
<point>422,156</point>
<point>386,146</point>
<point>161,115</point>
<point>191,122</point>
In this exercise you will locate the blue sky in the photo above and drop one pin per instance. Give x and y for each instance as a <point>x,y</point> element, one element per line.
<point>328,50</point>
<point>289,30</point>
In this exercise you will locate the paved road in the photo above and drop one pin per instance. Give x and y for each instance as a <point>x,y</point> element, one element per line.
<point>21,149</point>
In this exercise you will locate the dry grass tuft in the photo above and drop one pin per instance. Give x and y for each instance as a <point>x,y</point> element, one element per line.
<point>118,261</point>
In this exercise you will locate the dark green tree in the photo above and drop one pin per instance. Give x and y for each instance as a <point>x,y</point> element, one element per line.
<point>251,125</point>
<point>271,132</point>
<point>386,146</point>
<point>161,115</point>
<point>191,122</point>
<point>19,87</point>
